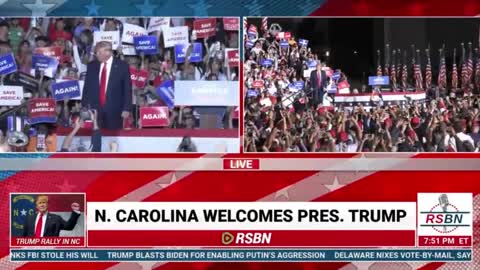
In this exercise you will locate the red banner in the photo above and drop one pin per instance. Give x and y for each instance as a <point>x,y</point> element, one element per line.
<point>138,77</point>
<point>42,110</point>
<point>55,52</point>
<point>155,116</point>
<point>343,84</point>
<point>258,84</point>
<point>231,24</point>
<point>205,27</point>
<point>233,58</point>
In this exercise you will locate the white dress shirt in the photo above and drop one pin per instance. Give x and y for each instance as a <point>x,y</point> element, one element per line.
<point>109,68</point>
<point>44,218</point>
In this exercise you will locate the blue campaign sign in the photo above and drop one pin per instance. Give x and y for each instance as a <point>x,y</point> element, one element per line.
<point>7,64</point>
<point>146,44</point>
<point>267,62</point>
<point>252,93</point>
<point>331,89</point>
<point>303,42</point>
<point>44,63</point>
<point>166,93</point>
<point>336,75</point>
<point>378,80</point>
<point>312,63</point>
<point>197,53</point>
<point>180,51</point>
<point>284,44</point>
<point>299,85</point>
<point>66,90</point>
<point>249,44</point>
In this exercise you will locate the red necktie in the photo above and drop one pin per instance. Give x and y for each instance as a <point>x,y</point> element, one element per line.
<point>38,229</point>
<point>103,84</point>
<point>319,75</point>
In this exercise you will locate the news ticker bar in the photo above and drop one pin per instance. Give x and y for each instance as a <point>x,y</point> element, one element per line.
<point>239,164</point>
<point>242,255</point>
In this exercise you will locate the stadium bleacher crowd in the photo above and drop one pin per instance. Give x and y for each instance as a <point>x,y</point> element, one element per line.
<point>283,114</point>
<point>200,55</point>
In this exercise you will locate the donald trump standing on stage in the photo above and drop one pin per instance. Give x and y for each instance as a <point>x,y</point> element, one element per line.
<point>108,87</point>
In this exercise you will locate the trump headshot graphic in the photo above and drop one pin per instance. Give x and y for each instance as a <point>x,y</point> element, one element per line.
<point>46,215</point>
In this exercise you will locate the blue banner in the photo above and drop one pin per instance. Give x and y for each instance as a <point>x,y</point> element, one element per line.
<point>378,80</point>
<point>146,44</point>
<point>66,90</point>
<point>197,53</point>
<point>331,89</point>
<point>312,64</point>
<point>252,93</point>
<point>7,64</point>
<point>22,206</point>
<point>284,44</point>
<point>336,75</point>
<point>267,62</point>
<point>166,93</point>
<point>46,64</point>
<point>299,85</point>
<point>249,44</point>
<point>244,255</point>
<point>303,42</point>
<point>180,51</point>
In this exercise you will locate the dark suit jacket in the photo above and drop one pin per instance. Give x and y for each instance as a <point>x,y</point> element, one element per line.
<point>314,80</point>
<point>119,93</point>
<point>53,225</point>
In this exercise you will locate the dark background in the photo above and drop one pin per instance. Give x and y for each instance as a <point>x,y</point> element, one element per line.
<point>353,42</point>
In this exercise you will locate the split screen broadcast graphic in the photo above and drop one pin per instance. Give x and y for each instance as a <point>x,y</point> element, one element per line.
<point>204,85</point>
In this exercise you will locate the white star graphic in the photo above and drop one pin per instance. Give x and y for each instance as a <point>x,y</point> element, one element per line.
<point>24,212</point>
<point>172,180</point>
<point>39,9</point>
<point>92,8</point>
<point>200,8</point>
<point>146,9</point>
<point>335,185</point>
<point>360,265</point>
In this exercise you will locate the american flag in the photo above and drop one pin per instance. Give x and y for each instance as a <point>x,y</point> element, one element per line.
<point>404,71</point>
<point>442,73</point>
<point>418,72</point>
<point>393,71</point>
<point>245,25</point>
<point>469,66</point>
<point>265,24</point>
<point>454,71</point>
<point>379,64</point>
<point>477,70</point>
<point>387,59</point>
<point>464,69</point>
<point>399,65</point>
<point>428,71</point>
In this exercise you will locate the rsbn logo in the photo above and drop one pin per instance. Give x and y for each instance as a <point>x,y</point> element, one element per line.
<point>445,217</point>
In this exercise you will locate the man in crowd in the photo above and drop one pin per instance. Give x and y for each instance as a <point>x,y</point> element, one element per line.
<point>108,87</point>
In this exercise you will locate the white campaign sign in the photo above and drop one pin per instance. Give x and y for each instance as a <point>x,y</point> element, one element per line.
<point>130,31</point>
<point>11,95</point>
<point>157,23</point>
<point>111,36</point>
<point>175,35</point>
